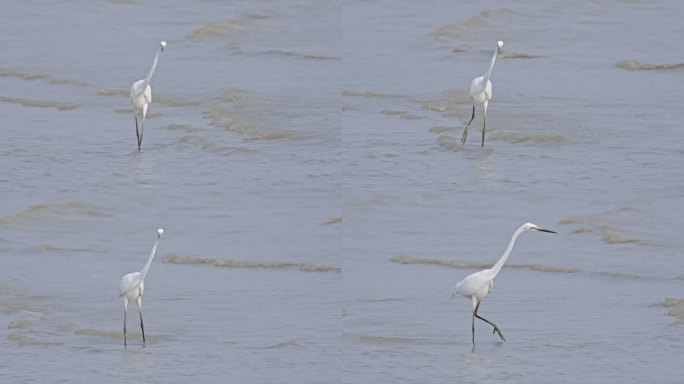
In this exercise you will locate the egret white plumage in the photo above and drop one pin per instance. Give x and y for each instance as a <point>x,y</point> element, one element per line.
<point>480,94</point>
<point>476,286</point>
<point>141,96</point>
<point>132,286</point>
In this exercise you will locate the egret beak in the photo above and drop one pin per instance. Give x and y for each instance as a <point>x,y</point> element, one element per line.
<point>540,229</point>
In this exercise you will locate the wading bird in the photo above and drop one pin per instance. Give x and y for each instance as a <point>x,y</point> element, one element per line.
<point>480,94</point>
<point>477,285</point>
<point>132,286</point>
<point>141,97</point>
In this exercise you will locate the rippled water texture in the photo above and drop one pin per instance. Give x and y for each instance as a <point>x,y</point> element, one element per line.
<point>304,159</point>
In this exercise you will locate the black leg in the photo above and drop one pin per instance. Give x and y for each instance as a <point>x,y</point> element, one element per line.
<point>465,130</point>
<point>125,312</point>
<point>484,124</point>
<point>137,133</point>
<point>142,327</point>
<point>142,132</point>
<point>496,328</point>
<point>474,328</point>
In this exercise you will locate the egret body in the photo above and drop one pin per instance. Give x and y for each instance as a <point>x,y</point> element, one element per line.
<point>477,285</point>
<point>481,93</point>
<point>132,286</point>
<point>141,97</point>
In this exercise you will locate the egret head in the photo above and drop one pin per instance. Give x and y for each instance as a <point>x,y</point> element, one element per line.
<point>160,231</point>
<point>534,227</point>
<point>163,45</point>
<point>499,45</point>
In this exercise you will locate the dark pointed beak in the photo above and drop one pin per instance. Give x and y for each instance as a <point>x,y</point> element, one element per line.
<point>545,230</point>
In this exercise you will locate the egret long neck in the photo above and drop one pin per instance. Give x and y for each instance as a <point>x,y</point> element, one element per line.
<point>149,75</point>
<point>149,260</point>
<point>499,264</point>
<point>489,72</point>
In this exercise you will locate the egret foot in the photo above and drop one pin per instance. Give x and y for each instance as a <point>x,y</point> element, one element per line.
<point>497,330</point>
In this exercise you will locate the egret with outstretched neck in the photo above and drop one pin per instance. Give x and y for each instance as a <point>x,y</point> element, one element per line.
<point>141,97</point>
<point>132,286</point>
<point>477,285</point>
<point>481,93</point>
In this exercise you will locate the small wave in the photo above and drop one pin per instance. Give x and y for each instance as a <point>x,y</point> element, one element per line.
<point>581,230</point>
<point>40,211</point>
<point>398,340</point>
<point>612,238</point>
<point>236,96</point>
<point>451,143</point>
<point>309,267</point>
<point>372,94</point>
<point>546,268</point>
<point>513,55</point>
<point>601,224</point>
<point>214,146</point>
<point>98,332</point>
<point>233,263</point>
<point>382,300</point>
<point>24,341</point>
<point>440,130</point>
<point>39,103</point>
<point>57,248</point>
<point>186,127</point>
<point>222,118</point>
<point>453,104</point>
<point>19,324</point>
<point>476,23</point>
<point>227,28</point>
<point>21,307</point>
<point>676,308</point>
<point>621,275</point>
<point>40,76</point>
<point>179,259</point>
<point>108,92</point>
<point>284,344</point>
<point>295,55</point>
<point>332,220</point>
<point>173,101</point>
<point>405,259</point>
<point>518,138</point>
<point>402,114</point>
<point>633,65</point>
<point>217,29</point>
<point>386,339</point>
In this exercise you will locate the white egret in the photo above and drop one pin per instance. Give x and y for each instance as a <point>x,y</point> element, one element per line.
<point>481,93</point>
<point>477,285</point>
<point>132,286</point>
<point>141,97</point>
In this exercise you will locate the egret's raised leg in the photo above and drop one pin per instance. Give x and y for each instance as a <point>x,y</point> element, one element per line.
<point>484,122</point>
<point>142,327</point>
<point>465,130</point>
<point>125,314</point>
<point>496,327</point>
